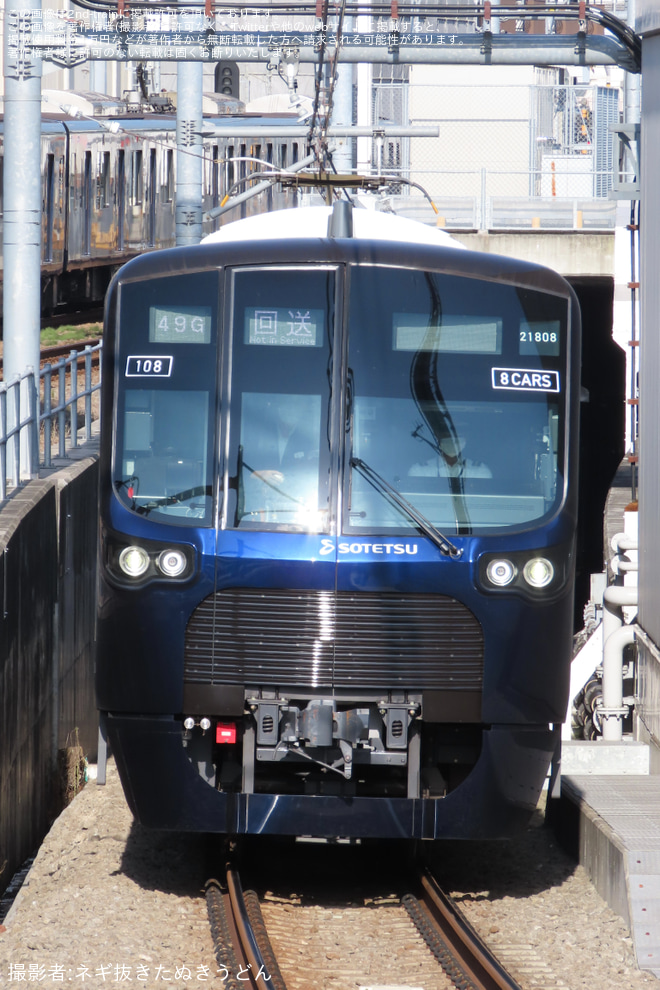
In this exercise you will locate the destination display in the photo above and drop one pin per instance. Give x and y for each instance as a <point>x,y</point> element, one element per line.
<point>279,327</point>
<point>183,325</point>
<point>454,335</point>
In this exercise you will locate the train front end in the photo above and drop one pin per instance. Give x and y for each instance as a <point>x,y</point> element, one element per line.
<point>338,505</point>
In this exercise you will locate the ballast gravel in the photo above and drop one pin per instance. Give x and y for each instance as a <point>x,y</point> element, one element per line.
<point>108,902</point>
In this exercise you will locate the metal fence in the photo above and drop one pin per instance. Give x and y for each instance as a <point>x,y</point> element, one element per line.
<point>510,156</point>
<point>485,211</point>
<point>40,425</point>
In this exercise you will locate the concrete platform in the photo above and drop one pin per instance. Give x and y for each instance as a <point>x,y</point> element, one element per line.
<point>602,757</point>
<point>608,813</point>
<point>611,824</point>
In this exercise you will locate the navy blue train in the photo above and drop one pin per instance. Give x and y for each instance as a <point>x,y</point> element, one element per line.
<point>338,511</point>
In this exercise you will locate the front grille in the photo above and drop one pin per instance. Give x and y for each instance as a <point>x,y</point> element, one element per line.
<point>310,639</point>
<point>314,639</point>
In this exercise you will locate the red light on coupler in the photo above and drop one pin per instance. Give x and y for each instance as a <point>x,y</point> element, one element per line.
<point>225,732</point>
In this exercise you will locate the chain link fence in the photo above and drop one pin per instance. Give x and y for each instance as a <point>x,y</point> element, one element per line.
<point>507,156</point>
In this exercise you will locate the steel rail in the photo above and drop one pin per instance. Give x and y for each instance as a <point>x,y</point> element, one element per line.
<point>223,932</point>
<point>247,958</point>
<point>459,949</point>
<point>64,350</point>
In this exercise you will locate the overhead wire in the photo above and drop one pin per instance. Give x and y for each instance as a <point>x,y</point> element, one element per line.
<point>317,139</point>
<point>318,77</point>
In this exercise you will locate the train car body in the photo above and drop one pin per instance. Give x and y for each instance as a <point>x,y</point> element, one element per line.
<point>108,192</point>
<point>338,507</point>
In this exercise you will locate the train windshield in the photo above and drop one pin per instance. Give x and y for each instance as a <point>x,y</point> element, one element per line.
<point>453,400</point>
<point>282,347</point>
<point>165,414</point>
<point>456,392</point>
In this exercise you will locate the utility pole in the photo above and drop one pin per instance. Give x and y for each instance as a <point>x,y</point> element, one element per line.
<point>22,201</point>
<point>188,217</point>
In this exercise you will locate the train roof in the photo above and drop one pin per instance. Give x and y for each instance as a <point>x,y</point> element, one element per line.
<point>301,234</point>
<point>312,221</point>
<point>56,119</point>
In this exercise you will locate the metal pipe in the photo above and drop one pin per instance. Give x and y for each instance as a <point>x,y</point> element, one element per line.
<point>619,565</point>
<point>73,407</point>
<point>612,711</point>
<point>88,393</point>
<point>615,598</point>
<point>61,406</point>
<point>622,542</point>
<point>468,50</point>
<point>47,375</point>
<point>230,130</point>
<point>13,433</point>
<point>217,211</point>
<point>33,425</point>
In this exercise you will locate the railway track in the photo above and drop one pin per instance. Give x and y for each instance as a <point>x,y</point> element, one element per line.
<point>75,318</point>
<point>261,949</point>
<point>63,350</point>
<point>50,354</point>
<point>242,947</point>
<point>461,952</point>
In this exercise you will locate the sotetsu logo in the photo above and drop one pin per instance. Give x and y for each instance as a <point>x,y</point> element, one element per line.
<point>397,549</point>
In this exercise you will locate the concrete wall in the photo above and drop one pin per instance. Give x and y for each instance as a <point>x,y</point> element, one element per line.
<point>569,253</point>
<point>47,619</point>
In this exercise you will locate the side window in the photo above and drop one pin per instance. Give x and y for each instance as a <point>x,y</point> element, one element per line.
<point>137,179</point>
<point>169,194</point>
<point>49,210</point>
<point>103,198</point>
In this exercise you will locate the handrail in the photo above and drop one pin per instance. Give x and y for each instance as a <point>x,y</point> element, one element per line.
<point>33,422</point>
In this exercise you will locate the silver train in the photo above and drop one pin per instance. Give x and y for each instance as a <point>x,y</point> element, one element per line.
<point>108,193</point>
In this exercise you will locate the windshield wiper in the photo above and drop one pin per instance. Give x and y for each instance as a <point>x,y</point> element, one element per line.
<point>156,503</point>
<point>427,527</point>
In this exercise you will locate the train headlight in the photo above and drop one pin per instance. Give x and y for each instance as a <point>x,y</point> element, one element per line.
<point>172,562</point>
<point>139,563</point>
<point>134,561</point>
<point>538,572</point>
<point>540,575</point>
<point>501,572</point>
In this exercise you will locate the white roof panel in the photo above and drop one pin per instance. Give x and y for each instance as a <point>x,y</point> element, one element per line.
<point>312,221</point>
